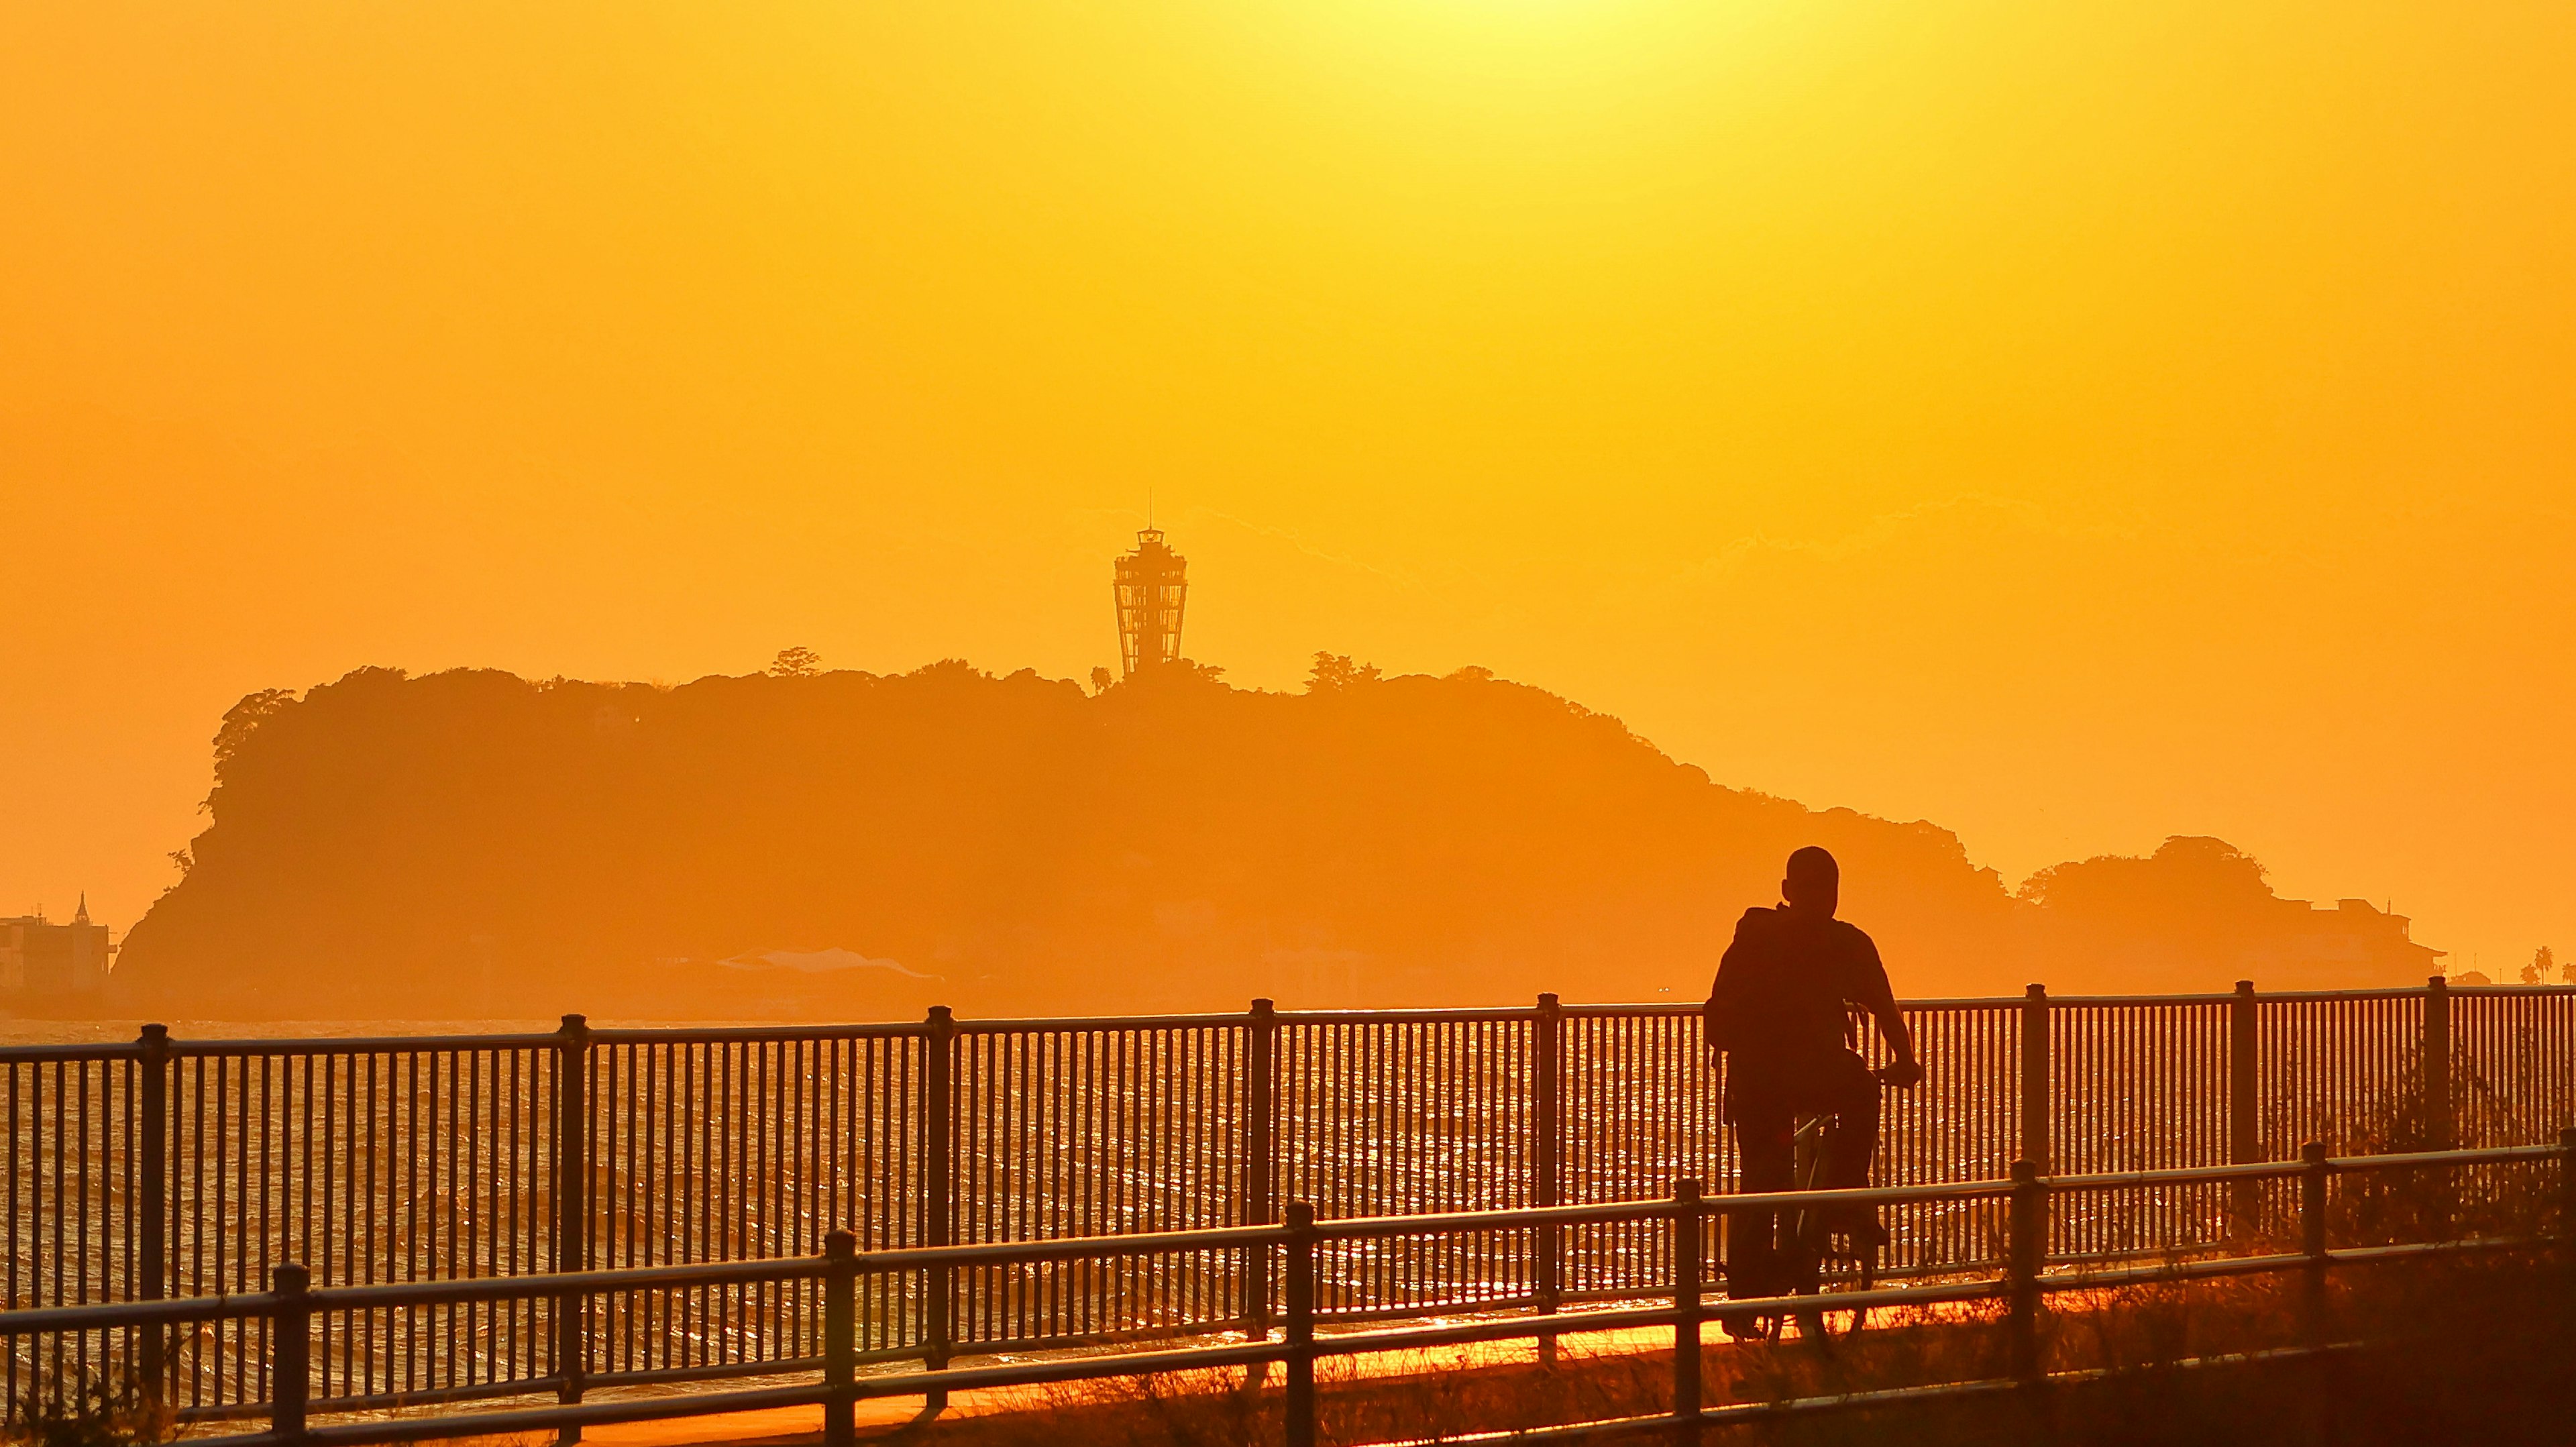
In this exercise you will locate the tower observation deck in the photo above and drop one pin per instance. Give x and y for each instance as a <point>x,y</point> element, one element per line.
<point>1151,588</point>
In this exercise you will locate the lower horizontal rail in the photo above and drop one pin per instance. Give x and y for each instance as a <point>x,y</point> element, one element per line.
<point>1069,1369</point>
<point>973,1346</point>
<point>381,1401</point>
<point>704,1372</point>
<point>1602,1429</point>
<point>2196,1270</point>
<point>586,1414</point>
<point>2360,1254</point>
<point>1738,1413</point>
<point>1357,1343</point>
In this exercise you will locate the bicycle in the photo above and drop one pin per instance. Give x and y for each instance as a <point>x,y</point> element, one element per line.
<point>1827,1251</point>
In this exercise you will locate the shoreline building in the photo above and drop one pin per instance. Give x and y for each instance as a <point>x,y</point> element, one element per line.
<point>2351,944</point>
<point>1151,586</point>
<point>42,961</point>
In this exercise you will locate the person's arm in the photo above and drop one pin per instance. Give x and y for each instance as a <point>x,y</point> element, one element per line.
<point>1711,1018</point>
<point>1905,1069</point>
<point>1714,1016</point>
<point>1880,999</point>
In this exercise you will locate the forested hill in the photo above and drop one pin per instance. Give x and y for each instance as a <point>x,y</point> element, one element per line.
<point>849,846</point>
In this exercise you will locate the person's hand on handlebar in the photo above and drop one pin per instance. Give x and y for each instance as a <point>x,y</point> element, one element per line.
<point>1901,1074</point>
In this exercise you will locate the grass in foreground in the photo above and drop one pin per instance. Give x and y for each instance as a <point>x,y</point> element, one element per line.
<point>2473,1351</point>
<point>88,1409</point>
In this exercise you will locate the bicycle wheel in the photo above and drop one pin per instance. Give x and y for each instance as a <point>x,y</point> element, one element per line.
<point>1833,1263</point>
<point>1840,1275</point>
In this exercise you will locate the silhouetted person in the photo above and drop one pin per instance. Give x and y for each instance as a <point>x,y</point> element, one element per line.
<point>1780,1013</point>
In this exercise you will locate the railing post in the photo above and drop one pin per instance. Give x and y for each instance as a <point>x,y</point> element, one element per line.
<point>939,1034</point>
<point>2312,1243</point>
<point>1298,1408</point>
<point>2567,1192</point>
<point>2566,1222</point>
<point>2437,1064</point>
<point>2312,1289</point>
<point>1546,1183</point>
<point>2244,1134</point>
<point>2034,1078</point>
<point>572,1209</point>
<point>152,1207</point>
<point>840,1336</point>
<point>1260,1041</point>
<point>2026,1251</point>
<point>290,1351</point>
<point>1686,1310</point>
<point>2438,1132</point>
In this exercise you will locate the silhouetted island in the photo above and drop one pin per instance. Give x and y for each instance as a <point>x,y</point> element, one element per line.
<point>844,845</point>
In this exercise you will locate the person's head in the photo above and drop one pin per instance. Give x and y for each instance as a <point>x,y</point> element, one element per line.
<point>1814,884</point>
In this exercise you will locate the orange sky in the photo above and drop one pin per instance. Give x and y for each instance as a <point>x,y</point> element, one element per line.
<point>2072,424</point>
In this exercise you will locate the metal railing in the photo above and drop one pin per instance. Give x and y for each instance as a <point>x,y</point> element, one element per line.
<point>165,1168</point>
<point>1309,1255</point>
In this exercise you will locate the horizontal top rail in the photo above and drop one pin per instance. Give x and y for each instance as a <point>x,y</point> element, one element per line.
<point>1108,1022</point>
<point>745,1034</point>
<point>860,1030</point>
<point>1972,1002</point>
<point>2145,1001</point>
<point>355,1044</point>
<point>2316,997</point>
<point>1442,1016</point>
<point>84,1054</point>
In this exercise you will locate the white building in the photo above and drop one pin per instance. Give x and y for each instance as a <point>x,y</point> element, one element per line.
<point>41,960</point>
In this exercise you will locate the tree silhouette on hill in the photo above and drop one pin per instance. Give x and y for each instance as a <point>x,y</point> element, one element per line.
<point>471,844</point>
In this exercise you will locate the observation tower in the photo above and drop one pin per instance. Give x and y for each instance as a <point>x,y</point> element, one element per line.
<point>1151,587</point>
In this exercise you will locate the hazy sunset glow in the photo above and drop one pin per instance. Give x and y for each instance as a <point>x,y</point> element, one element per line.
<point>2071,425</point>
